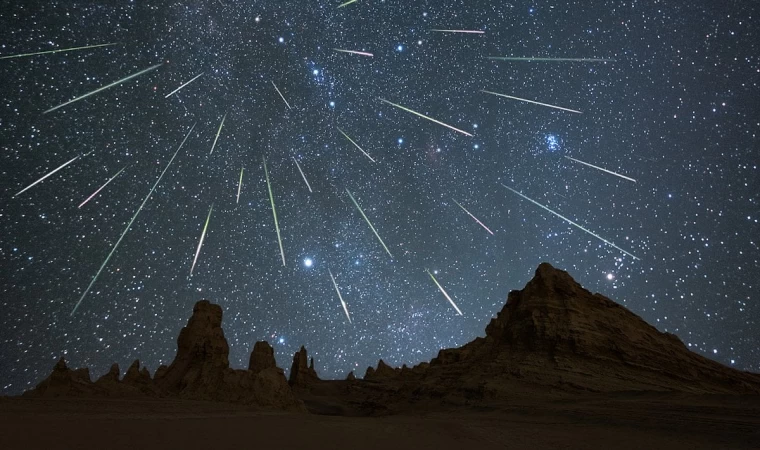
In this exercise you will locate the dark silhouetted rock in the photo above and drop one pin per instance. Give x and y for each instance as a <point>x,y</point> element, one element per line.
<point>383,372</point>
<point>351,376</point>
<point>64,382</point>
<point>160,372</point>
<point>302,374</point>
<point>111,377</point>
<point>262,357</point>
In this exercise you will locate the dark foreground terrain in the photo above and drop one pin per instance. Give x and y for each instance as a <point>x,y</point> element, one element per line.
<point>559,367</point>
<point>621,421</point>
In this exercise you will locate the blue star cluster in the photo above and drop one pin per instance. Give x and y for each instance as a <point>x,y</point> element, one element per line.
<point>657,162</point>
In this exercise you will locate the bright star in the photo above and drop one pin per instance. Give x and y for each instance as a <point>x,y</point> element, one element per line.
<point>308,262</point>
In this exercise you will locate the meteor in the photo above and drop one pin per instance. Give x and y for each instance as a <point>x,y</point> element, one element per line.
<point>115,83</point>
<point>425,117</point>
<point>459,31</point>
<point>95,278</point>
<point>200,243</point>
<point>369,223</point>
<point>571,222</point>
<point>353,52</point>
<point>474,218</point>
<point>274,211</point>
<point>51,173</point>
<point>345,308</point>
<point>71,49</point>
<point>531,101</point>
<point>443,291</point>
<point>281,96</point>
<point>217,134</point>
<point>355,144</point>
<point>302,174</point>
<point>177,90</point>
<point>508,58</point>
<point>347,3</point>
<point>101,187</point>
<point>240,184</point>
<point>603,170</point>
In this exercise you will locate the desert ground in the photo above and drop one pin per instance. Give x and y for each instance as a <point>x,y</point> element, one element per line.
<point>620,421</point>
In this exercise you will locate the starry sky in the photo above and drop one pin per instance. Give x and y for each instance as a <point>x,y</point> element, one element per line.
<point>672,105</point>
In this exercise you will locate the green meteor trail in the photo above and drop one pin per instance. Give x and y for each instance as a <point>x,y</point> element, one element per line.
<point>302,174</point>
<point>424,116</point>
<point>104,185</point>
<point>508,58</point>
<point>200,243</point>
<point>571,222</point>
<point>347,3</point>
<point>240,184</point>
<point>274,211</point>
<point>115,83</point>
<point>369,223</point>
<point>71,49</point>
<point>95,278</point>
<point>49,174</point>
<point>531,101</point>
<point>342,302</point>
<point>443,291</point>
<point>217,134</point>
<point>356,145</point>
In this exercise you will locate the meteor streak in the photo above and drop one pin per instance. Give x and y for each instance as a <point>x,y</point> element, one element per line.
<point>460,31</point>
<point>302,174</point>
<point>443,291</point>
<point>369,223</point>
<point>345,308</point>
<point>177,90</point>
<point>353,52</point>
<point>571,222</point>
<point>274,211</point>
<point>217,134</point>
<point>531,101</point>
<point>51,173</point>
<point>347,3</point>
<point>508,58</point>
<point>355,144</point>
<point>101,187</point>
<point>200,243</point>
<point>71,49</point>
<point>281,96</point>
<point>240,184</point>
<point>115,83</point>
<point>95,278</point>
<point>602,169</point>
<point>425,117</point>
<point>474,218</point>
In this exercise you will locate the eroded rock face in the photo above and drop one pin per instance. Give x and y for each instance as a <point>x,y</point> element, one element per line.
<point>383,372</point>
<point>262,357</point>
<point>300,373</point>
<point>64,382</point>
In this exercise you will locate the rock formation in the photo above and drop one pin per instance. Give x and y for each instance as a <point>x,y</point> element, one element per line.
<point>300,373</point>
<point>262,357</point>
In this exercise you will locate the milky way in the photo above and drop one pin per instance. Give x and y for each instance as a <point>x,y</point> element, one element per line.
<point>668,96</point>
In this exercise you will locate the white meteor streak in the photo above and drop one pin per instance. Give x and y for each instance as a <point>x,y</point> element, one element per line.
<point>95,278</point>
<point>49,174</point>
<point>71,49</point>
<point>346,4</point>
<point>571,222</point>
<point>369,223</point>
<point>217,134</point>
<point>602,169</point>
<point>274,211</point>
<point>281,96</point>
<point>345,308</point>
<point>459,31</point>
<point>240,184</point>
<point>425,117</point>
<point>353,52</point>
<point>355,144</point>
<point>178,89</point>
<point>532,101</point>
<point>101,187</point>
<point>115,83</point>
<point>443,291</point>
<point>474,218</point>
<point>200,243</point>
<point>302,174</point>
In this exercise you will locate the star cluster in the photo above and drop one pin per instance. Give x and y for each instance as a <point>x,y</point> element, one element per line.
<point>673,106</point>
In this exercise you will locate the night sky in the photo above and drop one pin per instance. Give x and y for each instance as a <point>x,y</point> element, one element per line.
<point>673,104</point>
